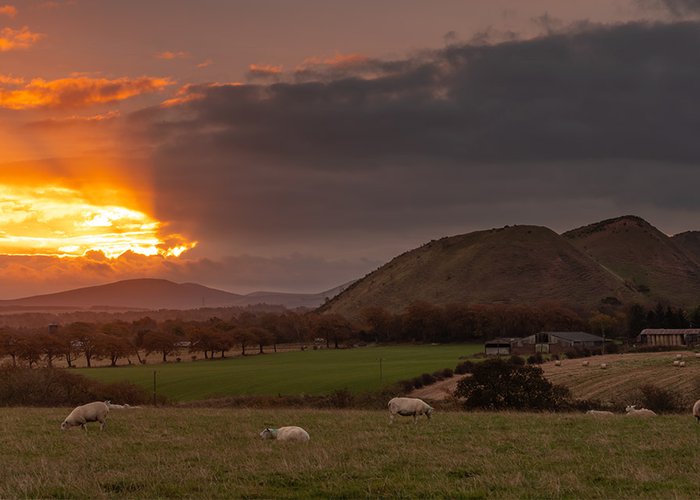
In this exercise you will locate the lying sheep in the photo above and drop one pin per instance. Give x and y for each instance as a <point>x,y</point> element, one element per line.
<point>600,413</point>
<point>633,411</point>
<point>696,410</point>
<point>288,433</point>
<point>585,363</point>
<point>125,406</point>
<point>91,412</point>
<point>603,366</point>
<point>408,407</point>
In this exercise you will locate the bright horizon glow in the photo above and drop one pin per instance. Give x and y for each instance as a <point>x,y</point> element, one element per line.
<point>59,221</point>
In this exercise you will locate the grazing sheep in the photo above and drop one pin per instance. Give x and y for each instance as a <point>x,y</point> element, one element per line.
<point>633,411</point>
<point>696,410</point>
<point>676,363</point>
<point>585,363</point>
<point>408,407</point>
<point>603,366</point>
<point>600,413</point>
<point>681,364</point>
<point>679,356</point>
<point>557,363</point>
<point>289,433</point>
<point>91,412</point>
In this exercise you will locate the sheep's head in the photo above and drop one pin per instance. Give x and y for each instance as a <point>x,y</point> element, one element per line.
<point>267,434</point>
<point>64,425</point>
<point>429,411</point>
<point>630,408</point>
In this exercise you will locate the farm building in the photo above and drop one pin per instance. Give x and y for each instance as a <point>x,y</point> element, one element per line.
<point>500,346</point>
<point>669,336</point>
<point>544,342</point>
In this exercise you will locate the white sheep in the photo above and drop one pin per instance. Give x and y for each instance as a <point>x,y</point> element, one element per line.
<point>288,433</point>
<point>409,407</point>
<point>696,410</point>
<point>633,411</point>
<point>91,412</point>
<point>600,413</point>
<point>681,364</point>
<point>679,356</point>
<point>676,363</point>
<point>584,363</point>
<point>603,366</point>
<point>125,406</point>
<point>557,363</point>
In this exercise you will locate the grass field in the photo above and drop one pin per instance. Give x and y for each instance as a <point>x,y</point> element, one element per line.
<point>216,453</point>
<point>289,373</point>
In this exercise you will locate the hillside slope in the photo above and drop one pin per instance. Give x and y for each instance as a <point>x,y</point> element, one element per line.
<point>511,265</point>
<point>132,294</point>
<point>690,242</point>
<point>647,259</point>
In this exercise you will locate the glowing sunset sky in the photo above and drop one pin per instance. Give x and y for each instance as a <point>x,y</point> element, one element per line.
<point>296,145</point>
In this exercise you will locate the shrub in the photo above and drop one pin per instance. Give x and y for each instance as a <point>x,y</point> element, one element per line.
<point>427,379</point>
<point>438,375</point>
<point>447,373</point>
<point>497,385</point>
<point>661,400</point>
<point>516,360</point>
<point>464,367</point>
<point>535,359</point>
<point>58,387</point>
<point>417,382</point>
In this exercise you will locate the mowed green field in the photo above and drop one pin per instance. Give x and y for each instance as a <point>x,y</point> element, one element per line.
<point>216,453</point>
<point>289,373</point>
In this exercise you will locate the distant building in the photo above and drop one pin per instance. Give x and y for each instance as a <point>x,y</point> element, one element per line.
<point>669,336</point>
<point>545,343</point>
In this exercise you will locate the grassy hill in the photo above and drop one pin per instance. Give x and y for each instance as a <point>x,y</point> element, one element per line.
<point>511,265</point>
<point>217,453</point>
<point>690,242</point>
<point>289,373</point>
<point>648,260</point>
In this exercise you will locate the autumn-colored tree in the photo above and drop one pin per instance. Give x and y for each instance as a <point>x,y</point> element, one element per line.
<point>162,342</point>
<point>10,344</point>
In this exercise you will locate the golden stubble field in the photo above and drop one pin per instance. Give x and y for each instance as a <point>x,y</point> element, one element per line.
<point>626,373</point>
<point>216,453</point>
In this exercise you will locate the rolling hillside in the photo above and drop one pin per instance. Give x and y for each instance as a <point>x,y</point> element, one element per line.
<point>511,265</point>
<point>644,257</point>
<point>154,294</point>
<point>690,242</point>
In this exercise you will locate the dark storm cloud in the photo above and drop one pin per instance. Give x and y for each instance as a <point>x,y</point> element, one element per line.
<point>677,8</point>
<point>440,139</point>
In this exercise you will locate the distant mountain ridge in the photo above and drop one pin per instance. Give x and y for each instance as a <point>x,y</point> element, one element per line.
<point>155,294</point>
<point>621,260</point>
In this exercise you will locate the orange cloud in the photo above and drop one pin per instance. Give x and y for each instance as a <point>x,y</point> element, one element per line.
<point>77,92</point>
<point>172,55</point>
<point>8,10</point>
<point>60,221</point>
<point>338,60</point>
<point>11,80</point>
<point>205,63</point>
<point>189,93</point>
<point>265,69</point>
<point>11,39</point>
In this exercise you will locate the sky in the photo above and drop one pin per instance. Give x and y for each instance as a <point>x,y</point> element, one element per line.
<point>297,145</point>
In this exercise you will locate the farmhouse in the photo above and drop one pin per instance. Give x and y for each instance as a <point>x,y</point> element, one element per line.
<point>669,336</point>
<point>544,342</point>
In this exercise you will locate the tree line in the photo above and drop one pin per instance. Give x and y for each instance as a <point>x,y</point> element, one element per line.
<point>254,331</point>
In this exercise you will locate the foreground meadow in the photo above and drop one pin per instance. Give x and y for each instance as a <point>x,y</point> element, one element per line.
<point>216,453</point>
